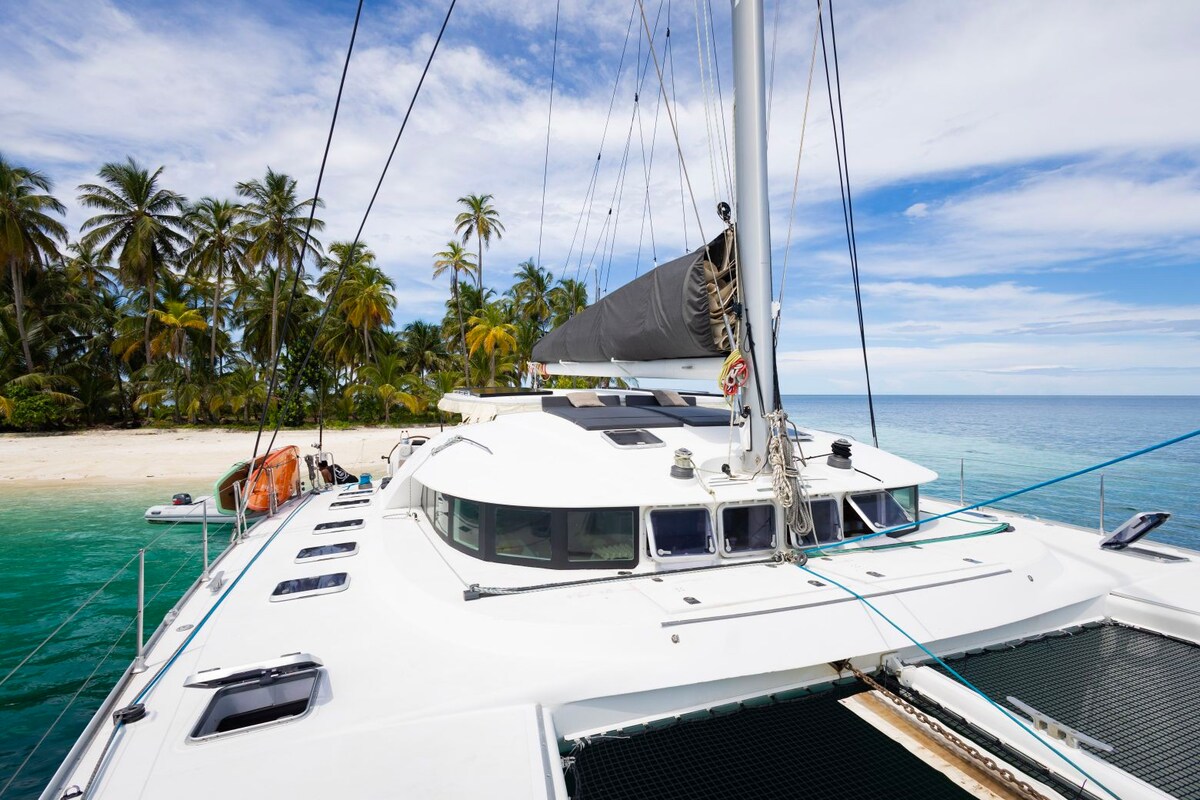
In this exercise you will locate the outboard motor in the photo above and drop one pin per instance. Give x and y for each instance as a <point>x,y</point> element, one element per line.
<point>181,499</point>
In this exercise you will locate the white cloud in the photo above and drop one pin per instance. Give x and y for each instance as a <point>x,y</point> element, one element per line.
<point>933,90</point>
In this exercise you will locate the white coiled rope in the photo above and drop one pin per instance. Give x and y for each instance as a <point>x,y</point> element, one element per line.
<point>785,477</point>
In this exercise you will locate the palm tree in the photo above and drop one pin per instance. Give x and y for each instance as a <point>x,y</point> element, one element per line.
<point>423,347</point>
<point>88,268</point>
<point>27,234</point>
<point>566,300</point>
<point>367,303</point>
<point>139,225</point>
<point>492,332</point>
<point>218,250</point>
<point>531,292</point>
<point>387,379</point>
<point>176,320</point>
<point>455,259</point>
<point>481,220</point>
<point>276,221</point>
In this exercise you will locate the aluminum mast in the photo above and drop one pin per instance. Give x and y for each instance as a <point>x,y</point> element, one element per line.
<point>752,213</point>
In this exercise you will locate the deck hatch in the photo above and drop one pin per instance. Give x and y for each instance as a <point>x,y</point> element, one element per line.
<point>311,586</point>
<point>349,503</point>
<point>340,525</point>
<point>327,551</point>
<point>256,703</point>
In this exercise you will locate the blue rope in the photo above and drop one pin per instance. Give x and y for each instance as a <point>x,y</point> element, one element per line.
<point>959,677</point>
<point>909,526</point>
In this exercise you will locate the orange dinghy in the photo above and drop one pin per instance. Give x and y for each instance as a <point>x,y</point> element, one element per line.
<point>279,467</point>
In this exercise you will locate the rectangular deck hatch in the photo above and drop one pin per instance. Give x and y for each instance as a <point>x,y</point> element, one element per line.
<point>223,676</point>
<point>257,703</point>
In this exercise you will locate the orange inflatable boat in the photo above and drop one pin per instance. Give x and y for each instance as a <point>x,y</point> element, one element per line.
<point>281,467</point>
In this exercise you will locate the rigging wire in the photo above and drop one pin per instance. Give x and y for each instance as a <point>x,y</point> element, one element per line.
<point>670,59</point>
<point>549,117</point>
<point>589,197</point>
<point>716,69</point>
<point>671,117</point>
<point>796,180</point>
<point>312,213</point>
<point>295,387</point>
<point>705,86</point>
<point>839,147</point>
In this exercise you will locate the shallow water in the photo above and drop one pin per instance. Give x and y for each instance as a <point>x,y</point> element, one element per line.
<point>59,545</point>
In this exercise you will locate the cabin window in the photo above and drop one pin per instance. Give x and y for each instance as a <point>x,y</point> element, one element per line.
<point>465,525</point>
<point>909,500</point>
<point>602,534</point>
<point>441,513</point>
<point>310,587</point>
<point>554,538</point>
<point>745,529</point>
<point>327,551</point>
<point>681,532</point>
<point>523,533</point>
<point>256,703</point>
<point>633,438</point>
<point>872,511</point>
<point>826,526</point>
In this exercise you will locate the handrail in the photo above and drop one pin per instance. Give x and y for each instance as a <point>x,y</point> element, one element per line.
<point>86,681</point>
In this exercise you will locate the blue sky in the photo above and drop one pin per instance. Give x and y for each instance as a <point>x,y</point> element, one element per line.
<point>1026,175</point>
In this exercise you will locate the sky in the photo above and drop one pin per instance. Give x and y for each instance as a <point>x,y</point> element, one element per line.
<point>1025,175</point>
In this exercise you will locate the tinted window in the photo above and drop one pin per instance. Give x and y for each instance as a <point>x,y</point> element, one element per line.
<point>682,531</point>
<point>328,550</point>
<point>608,534</point>
<point>315,583</point>
<point>333,526</point>
<point>441,513</point>
<point>881,509</point>
<point>255,703</point>
<point>523,532</point>
<point>465,529</point>
<point>748,528</point>
<point>825,523</point>
<point>907,498</point>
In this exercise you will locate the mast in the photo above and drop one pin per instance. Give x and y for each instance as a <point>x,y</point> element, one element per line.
<point>753,220</point>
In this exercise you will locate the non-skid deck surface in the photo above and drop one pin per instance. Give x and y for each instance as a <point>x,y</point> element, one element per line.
<point>811,748</point>
<point>1134,690</point>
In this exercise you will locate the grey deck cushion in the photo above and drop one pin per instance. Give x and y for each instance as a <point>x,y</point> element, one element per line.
<point>607,418</point>
<point>585,400</point>
<point>668,398</point>
<point>695,416</point>
<point>561,401</point>
<point>651,400</point>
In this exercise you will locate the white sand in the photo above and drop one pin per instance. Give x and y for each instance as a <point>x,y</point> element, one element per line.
<point>123,457</point>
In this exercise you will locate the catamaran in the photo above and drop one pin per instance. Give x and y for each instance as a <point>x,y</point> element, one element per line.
<point>630,593</point>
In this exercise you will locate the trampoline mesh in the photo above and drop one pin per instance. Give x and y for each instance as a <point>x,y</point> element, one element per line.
<point>1134,690</point>
<point>810,748</point>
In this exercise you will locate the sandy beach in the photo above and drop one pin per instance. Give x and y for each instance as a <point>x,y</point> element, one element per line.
<point>122,456</point>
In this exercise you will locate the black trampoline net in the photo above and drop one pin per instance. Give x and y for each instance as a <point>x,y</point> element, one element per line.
<point>1134,690</point>
<point>811,748</point>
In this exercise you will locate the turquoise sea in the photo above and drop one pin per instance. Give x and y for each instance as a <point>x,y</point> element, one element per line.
<point>60,545</point>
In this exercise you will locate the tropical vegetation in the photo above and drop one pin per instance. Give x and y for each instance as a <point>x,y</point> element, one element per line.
<point>164,309</point>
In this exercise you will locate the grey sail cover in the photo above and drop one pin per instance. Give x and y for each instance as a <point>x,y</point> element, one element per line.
<point>674,311</point>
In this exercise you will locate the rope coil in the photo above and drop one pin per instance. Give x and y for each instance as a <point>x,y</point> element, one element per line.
<point>785,476</point>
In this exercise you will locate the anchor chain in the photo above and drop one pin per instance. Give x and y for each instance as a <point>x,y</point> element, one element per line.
<point>1022,787</point>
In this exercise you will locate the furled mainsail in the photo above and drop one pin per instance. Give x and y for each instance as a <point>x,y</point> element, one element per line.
<point>678,310</point>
